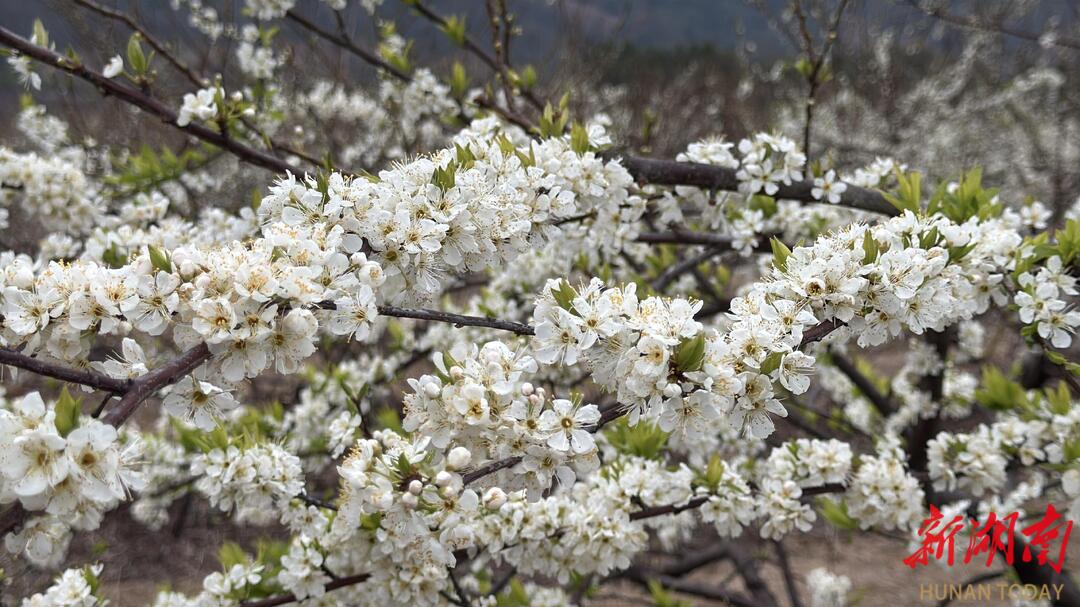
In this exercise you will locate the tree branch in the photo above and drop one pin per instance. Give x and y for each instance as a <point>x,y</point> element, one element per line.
<point>789,577</point>
<point>87,378</point>
<point>881,402</point>
<point>144,102</point>
<point>458,320</point>
<point>285,599</point>
<point>672,172</point>
<point>973,23</point>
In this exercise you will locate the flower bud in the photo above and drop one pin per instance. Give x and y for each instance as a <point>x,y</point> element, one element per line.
<point>458,458</point>
<point>415,487</point>
<point>409,500</point>
<point>526,388</point>
<point>443,478</point>
<point>237,96</point>
<point>494,498</point>
<point>431,390</point>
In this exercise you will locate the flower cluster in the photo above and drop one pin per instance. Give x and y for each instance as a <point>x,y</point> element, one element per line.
<point>768,160</point>
<point>254,482</point>
<point>883,494</point>
<point>64,198</point>
<point>202,105</point>
<point>74,473</point>
<point>74,588</point>
<point>811,462</point>
<point>1042,302</point>
<point>481,400</point>
<point>828,589</point>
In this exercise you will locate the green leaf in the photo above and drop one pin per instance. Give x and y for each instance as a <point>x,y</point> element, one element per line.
<point>389,419</point>
<point>40,36</point>
<point>771,363</point>
<point>459,81</point>
<point>780,253</point>
<point>645,439</point>
<point>135,55</point>
<point>454,28</point>
<point>159,258</point>
<point>67,413</point>
<point>909,191</point>
<point>230,554</point>
<point>444,178</point>
<point>579,138</point>
<point>999,392</point>
<point>870,248</point>
<point>528,77</point>
<point>662,598</point>
<point>836,514</point>
<point>564,295</point>
<point>690,355</point>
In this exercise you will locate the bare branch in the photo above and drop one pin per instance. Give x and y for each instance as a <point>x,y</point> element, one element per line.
<point>285,599</point>
<point>76,376</point>
<point>999,28</point>
<point>145,102</point>
<point>151,382</point>
<point>671,172</point>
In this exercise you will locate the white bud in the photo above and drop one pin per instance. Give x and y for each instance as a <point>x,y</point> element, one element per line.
<point>431,390</point>
<point>415,487</point>
<point>298,130</point>
<point>672,390</point>
<point>237,96</point>
<point>458,458</point>
<point>494,498</point>
<point>457,372</point>
<point>449,491</point>
<point>526,388</point>
<point>443,478</point>
<point>409,500</point>
<point>250,111</point>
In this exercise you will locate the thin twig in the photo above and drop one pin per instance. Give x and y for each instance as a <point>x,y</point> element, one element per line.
<point>143,101</point>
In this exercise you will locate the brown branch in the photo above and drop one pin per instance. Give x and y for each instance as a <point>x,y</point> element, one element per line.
<point>654,511</point>
<point>137,392</point>
<point>719,242</point>
<point>490,468</point>
<point>642,578</point>
<point>145,102</point>
<point>470,45</point>
<point>154,43</point>
<point>755,585</point>
<point>789,577</point>
<point>670,172</point>
<point>458,320</point>
<point>343,41</point>
<point>819,331</point>
<point>346,43</point>
<point>76,376</point>
<point>149,383</point>
<point>285,599</point>
<point>881,402</point>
